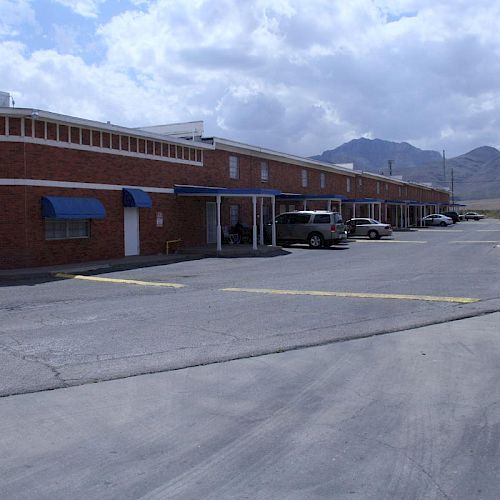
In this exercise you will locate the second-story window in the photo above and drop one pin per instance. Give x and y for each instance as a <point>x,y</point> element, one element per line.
<point>360,181</point>
<point>322,180</point>
<point>264,171</point>
<point>348,184</point>
<point>378,187</point>
<point>305,180</point>
<point>234,167</point>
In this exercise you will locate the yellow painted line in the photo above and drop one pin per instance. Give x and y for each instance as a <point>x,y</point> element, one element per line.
<point>437,230</point>
<point>386,241</point>
<point>428,298</point>
<point>479,241</point>
<point>116,280</point>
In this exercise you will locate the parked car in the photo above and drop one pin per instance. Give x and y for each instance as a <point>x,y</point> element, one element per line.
<point>473,216</point>
<point>453,215</point>
<point>437,220</point>
<point>367,227</point>
<point>318,228</point>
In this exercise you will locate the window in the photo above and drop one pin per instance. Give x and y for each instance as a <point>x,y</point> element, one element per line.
<point>234,168</point>
<point>264,171</point>
<point>387,187</point>
<point>56,229</point>
<point>298,218</point>
<point>378,187</point>
<point>360,182</point>
<point>234,214</point>
<point>305,180</point>
<point>399,190</point>
<point>322,180</point>
<point>322,219</point>
<point>348,187</point>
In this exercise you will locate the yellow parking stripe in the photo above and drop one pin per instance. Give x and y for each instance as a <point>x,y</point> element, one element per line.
<point>116,280</point>
<point>478,241</point>
<point>386,241</point>
<point>428,298</point>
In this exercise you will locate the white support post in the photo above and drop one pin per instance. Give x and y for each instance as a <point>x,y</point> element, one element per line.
<point>261,222</point>
<point>305,204</point>
<point>329,205</point>
<point>273,208</point>
<point>219,229</point>
<point>340,207</point>
<point>385,210</point>
<point>401,222</point>
<point>254,232</point>
<point>353,210</point>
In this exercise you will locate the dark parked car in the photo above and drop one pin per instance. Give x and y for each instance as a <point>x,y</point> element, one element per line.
<point>318,228</point>
<point>453,215</point>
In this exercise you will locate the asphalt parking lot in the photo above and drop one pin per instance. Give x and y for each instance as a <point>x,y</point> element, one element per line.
<point>79,329</point>
<point>395,396</point>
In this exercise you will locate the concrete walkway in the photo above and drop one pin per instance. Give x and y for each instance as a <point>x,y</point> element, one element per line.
<point>136,261</point>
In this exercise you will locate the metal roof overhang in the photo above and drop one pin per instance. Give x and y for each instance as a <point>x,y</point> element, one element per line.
<point>220,191</point>
<point>69,207</point>
<point>292,196</point>
<point>363,200</point>
<point>138,198</point>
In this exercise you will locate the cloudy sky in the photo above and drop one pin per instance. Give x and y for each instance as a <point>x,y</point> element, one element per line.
<point>299,76</point>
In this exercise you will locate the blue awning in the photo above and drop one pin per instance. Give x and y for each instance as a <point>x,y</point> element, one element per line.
<point>228,192</point>
<point>69,207</point>
<point>136,198</point>
<point>293,196</point>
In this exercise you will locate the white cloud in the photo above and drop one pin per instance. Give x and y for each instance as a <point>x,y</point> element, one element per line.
<point>295,76</point>
<point>13,15</point>
<point>85,8</point>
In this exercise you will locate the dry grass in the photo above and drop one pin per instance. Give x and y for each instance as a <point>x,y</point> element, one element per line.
<point>488,204</point>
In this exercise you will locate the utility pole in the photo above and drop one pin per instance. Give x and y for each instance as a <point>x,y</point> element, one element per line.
<point>444,167</point>
<point>452,191</point>
<point>390,162</point>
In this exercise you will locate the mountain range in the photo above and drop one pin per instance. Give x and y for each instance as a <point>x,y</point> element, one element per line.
<point>476,174</point>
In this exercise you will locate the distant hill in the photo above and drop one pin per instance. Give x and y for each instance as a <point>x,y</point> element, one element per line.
<point>373,155</point>
<point>476,174</point>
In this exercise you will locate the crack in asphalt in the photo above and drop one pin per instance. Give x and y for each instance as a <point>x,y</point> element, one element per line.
<point>65,383</point>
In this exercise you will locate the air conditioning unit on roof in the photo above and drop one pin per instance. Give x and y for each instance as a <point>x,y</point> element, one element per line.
<point>4,100</point>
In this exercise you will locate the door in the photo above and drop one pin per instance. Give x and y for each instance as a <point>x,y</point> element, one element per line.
<point>131,230</point>
<point>211,222</point>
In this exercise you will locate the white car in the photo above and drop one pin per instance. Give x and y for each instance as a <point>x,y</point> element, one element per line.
<point>437,220</point>
<point>473,216</point>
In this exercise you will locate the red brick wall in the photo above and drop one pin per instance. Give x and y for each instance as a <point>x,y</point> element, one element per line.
<point>22,227</point>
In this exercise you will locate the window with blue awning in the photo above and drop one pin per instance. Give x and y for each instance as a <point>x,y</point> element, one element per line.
<point>72,207</point>
<point>133,197</point>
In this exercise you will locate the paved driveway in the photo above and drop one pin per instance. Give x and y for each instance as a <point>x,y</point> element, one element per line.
<point>74,330</point>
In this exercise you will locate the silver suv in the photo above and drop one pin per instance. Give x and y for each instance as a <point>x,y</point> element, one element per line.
<point>318,228</point>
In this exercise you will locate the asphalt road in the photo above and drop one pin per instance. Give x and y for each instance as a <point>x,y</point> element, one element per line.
<point>379,407</point>
<point>411,415</point>
<point>71,331</point>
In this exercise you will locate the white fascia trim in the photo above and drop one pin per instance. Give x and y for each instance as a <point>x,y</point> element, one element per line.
<point>96,149</point>
<point>106,127</point>
<point>81,185</point>
<point>239,147</point>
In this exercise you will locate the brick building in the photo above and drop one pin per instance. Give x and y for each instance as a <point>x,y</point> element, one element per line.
<point>74,190</point>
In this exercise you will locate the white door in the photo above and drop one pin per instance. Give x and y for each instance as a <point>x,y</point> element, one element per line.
<point>211,222</point>
<point>131,230</point>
